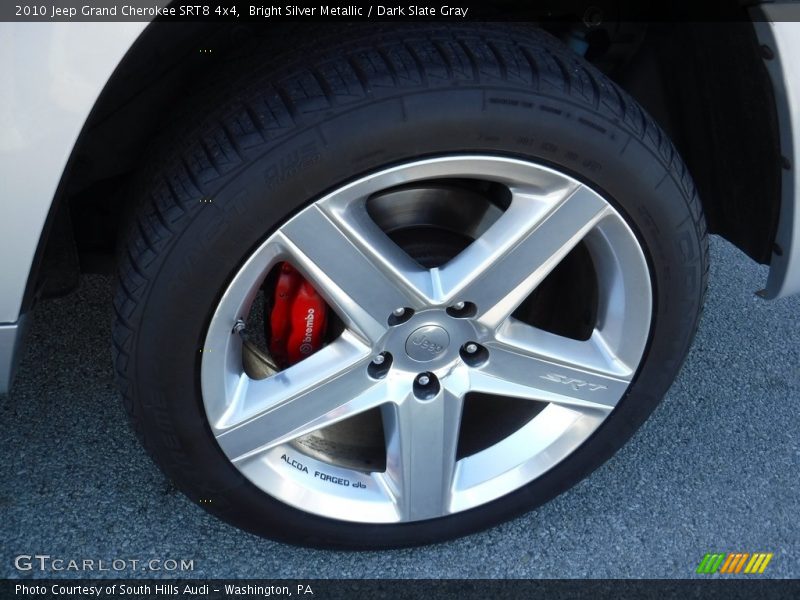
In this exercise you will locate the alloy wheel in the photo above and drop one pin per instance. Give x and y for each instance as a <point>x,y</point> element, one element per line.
<point>420,338</point>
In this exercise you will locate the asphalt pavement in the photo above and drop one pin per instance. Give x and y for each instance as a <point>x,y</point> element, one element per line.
<point>715,469</point>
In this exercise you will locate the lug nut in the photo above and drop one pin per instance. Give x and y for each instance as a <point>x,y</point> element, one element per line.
<point>426,386</point>
<point>380,365</point>
<point>461,310</point>
<point>473,354</point>
<point>399,315</point>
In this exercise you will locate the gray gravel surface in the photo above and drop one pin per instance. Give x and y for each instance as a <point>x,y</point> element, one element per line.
<point>715,469</point>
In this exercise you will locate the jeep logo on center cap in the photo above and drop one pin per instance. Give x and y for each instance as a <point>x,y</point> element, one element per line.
<point>427,343</point>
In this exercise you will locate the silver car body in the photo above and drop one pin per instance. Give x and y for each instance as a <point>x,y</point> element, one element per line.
<point>55,72</point>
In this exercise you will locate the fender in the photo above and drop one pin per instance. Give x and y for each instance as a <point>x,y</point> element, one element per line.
<point>777,27</point>
<point>47,96</point>
<point>53,75</point>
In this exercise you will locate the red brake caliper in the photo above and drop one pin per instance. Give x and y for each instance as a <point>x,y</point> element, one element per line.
<point>297,320</point>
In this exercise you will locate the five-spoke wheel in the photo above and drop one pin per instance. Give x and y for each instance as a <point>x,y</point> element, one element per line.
<point>448,331</point>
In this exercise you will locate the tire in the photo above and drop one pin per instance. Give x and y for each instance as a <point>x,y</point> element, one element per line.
<point>483,115</point>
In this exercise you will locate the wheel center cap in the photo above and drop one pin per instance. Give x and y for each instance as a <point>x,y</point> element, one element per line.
<point>427,343</point>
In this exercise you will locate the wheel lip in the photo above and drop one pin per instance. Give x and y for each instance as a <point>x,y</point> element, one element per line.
<point>269,474</point>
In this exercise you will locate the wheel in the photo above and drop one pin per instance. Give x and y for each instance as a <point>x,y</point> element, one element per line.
<point>406,286</point>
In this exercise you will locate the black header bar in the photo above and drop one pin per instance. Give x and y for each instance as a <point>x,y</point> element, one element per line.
<point>591,12</point>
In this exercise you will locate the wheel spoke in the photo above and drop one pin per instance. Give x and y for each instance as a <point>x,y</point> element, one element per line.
<point>422,438</point>
<point>546,367</point>
<point>355,266</point>
<point>329,386</point>
<point>502,267</point>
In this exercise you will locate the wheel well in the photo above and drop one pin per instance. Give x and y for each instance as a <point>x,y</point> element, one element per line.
<point>706,85</point>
